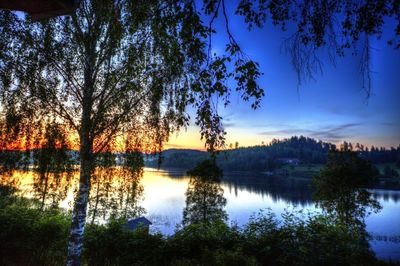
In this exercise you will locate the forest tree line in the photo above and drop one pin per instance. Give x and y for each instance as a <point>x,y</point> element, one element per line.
<point>268,157</point>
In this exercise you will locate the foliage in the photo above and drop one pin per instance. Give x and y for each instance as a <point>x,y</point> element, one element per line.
<point>113,244</point>
<point>390,172</point>
<point>124,69</point>
<point>340,186</point>
<point>112,71</point>
<point>176,158</point>
<point>334,25</point>
<point>316,240</point>
<point>52,165</point>
<point>133,67</point>
<point>207,170</point>
<point>7,196</point>
<point>33,237</point>
<point>205,200</point>
<point>256,158</point>
<point>116,193</point>
<point>53,155</point>
<point>203,243</point>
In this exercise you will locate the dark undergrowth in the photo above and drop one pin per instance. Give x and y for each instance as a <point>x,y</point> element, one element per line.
<point>30,236</point>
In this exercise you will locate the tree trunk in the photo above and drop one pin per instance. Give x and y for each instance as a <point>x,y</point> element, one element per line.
<point>86,166</point>
<point>79,213</point>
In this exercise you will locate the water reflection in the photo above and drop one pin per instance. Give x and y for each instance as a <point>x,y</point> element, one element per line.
<point>296,191</point>
<point>115,192</point>
<point>50,188</point>
<point>162,194</point>
<point>9,178</point>
<point>386,195</point>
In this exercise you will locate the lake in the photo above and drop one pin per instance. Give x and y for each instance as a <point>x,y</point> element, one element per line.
<point>162,198</point>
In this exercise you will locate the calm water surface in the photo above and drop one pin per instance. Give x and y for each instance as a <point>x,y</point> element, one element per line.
<point>164,200</point>
<point>246,194</point>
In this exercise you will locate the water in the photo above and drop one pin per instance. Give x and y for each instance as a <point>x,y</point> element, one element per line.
<point>246,194</point>
<point>163,200</point>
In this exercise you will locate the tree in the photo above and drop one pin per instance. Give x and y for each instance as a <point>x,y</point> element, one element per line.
<point>390,172</point>
<point>52,166</point>
<point>341,186</point>
<point>117,70</point>
<point>341,192</point>
<point>204,197</point>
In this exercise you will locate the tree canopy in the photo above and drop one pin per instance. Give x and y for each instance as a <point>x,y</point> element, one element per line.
<point>115,71</point>
<point>341,186</point>
<point>204,196</point>
<point>135,66</point>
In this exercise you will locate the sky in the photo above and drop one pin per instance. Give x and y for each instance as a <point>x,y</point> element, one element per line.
<point>333,107</point>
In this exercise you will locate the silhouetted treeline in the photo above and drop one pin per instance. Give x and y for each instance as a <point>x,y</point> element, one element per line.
<point>294,150</point>
<point>382,155</point>
<point>277,153</point>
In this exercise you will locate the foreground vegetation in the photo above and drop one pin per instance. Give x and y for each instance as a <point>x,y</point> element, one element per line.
<point>35,233</point>
<point>31,236</point>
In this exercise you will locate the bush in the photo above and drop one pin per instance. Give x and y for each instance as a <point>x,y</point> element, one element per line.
<point>29,236</point>
<point>112,244</point>
<point>203,243</point>
<point>32,237</point>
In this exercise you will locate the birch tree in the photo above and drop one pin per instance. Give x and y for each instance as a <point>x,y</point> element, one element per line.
<point>117,72</point>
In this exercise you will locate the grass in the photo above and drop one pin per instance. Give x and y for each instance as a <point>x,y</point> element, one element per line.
<point>303,170</point>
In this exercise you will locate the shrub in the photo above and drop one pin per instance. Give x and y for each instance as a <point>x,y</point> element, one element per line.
<point>32,237</point>
<point>113,244</point>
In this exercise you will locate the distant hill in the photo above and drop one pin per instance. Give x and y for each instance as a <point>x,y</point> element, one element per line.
<point>294,150</point>
<point>278,154</point>
<point>176,158</point>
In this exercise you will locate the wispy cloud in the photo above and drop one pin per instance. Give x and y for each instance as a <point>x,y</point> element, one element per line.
<point>332,133</point>
<point>347,110</point>
<point>175,146</point>
<point>390,124</point>
<point>228,124</point>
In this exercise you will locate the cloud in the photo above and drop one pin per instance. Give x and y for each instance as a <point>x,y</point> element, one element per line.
<point>389,124</point>
<point>334,133</point>
<point>175,146</point>
<point>228,124</point>
<point>347,110</point>
<point>294,131</point>
<point>273,125</point>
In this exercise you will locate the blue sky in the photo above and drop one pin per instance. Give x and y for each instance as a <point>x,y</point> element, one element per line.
<point>333,107</point>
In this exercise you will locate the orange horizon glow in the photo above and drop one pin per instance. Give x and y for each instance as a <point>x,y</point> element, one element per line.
<point>184,139</point>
